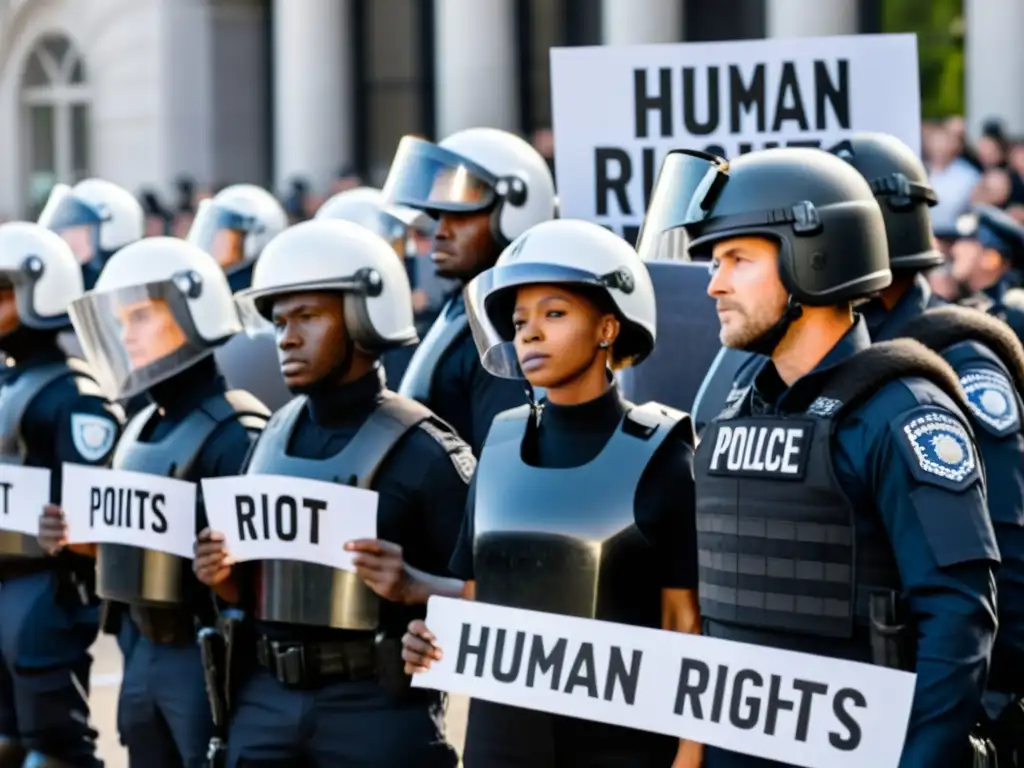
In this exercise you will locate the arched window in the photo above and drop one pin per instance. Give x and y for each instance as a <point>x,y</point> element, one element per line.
<point>56,122</point>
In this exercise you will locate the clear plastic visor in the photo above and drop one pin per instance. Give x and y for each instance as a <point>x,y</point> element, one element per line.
<point>394,223</point>
<point>137,336</point>
<point>221,232</point>
<point>428,177</point>
<point>78,223</point>
<point>490,304</point>
<point>685,191</point>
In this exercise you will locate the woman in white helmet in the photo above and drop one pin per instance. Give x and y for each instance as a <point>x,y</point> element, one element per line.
<point>566,304</point>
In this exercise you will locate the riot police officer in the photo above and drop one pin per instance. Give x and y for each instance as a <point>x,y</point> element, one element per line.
<point>882,453</point>
<point>986,355</point>
<point>485,187</point>
<point>336,296</point>
<point>52,412</point>
<point>97,218</point>
<point>159,309</point>
<point>566,304</point>
<point>234,227</point>
<point>396,224</point>
<point>986,262</point>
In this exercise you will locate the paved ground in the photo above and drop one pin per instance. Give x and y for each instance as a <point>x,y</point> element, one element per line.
<point>106,682</point>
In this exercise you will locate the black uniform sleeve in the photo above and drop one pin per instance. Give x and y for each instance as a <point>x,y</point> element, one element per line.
<point>461,564</point>
<point>442,498</point>
<point>64,425</point>
<point>490,396</point>
<point>666,513</point>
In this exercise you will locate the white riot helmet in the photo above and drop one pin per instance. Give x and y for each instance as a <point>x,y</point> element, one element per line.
<point>475,170</point>
<point>572,253</point>
<point>366,206</point>
<point>159,306</point>
<point>236,224</point>
<point>330,255</point>
<point>43,271</point>
<point>96,218</point>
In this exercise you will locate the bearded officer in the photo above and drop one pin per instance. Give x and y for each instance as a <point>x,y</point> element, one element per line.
<point>882,454</point>
<point>159,309</point>
<point>986,355</point>
<point>234,227</point>
<point>337,297</point>
<point>399,226</point>
<point>485,187</point>
<point>52,412</point>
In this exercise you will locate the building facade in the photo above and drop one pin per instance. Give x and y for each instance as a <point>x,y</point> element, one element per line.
<point>142,91</point>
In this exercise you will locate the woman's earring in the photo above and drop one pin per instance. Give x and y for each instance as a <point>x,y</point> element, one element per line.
<point>603,345</point>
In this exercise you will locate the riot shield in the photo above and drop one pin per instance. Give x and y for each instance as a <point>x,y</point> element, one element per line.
<point>250,363</point>
<point>687,337</point>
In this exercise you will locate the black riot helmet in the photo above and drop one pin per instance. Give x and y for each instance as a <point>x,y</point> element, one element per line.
<point>822,213</point>
<point>900,183</point>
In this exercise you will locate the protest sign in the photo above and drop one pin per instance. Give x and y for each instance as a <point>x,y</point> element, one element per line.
<point>797,708</point>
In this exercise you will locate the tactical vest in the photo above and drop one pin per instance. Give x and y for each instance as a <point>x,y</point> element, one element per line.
<point>15,398</point>
<point>145,577</point>
<point>418,381</point>
<point>295,592</point>
<point>779,547</point>
<point>561,540</point>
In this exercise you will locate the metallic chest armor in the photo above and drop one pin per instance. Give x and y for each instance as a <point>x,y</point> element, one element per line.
<point>15,398</point>
<point>418,381</point>
<point>146,577</point>
<point>294,592</point>
<point>560,540</point>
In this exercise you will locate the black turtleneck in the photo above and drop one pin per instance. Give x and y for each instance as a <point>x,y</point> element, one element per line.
<point>573,435</point>
<point>422,493</point>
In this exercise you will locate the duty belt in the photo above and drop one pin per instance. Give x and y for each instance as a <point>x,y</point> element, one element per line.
<point>164,626</point>
<point>307,665</point>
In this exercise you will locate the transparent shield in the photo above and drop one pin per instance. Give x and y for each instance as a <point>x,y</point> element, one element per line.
<point>685,191</point>
<point>137,336</point>
<point>425,176</point>
<point>253,322</point>
<point>489,300</point>
<point>76,222</point>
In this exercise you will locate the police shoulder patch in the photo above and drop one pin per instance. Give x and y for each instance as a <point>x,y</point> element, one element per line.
<point>938,448</point>
<point>992,400</point>
<point>92,435</point>
<point>458,450</point>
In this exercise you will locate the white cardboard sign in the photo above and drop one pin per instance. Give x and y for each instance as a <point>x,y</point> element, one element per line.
<point>24,491</point>
<point>272,517</point>
<point>797,708</point>
<point>727,98</point>
<point>116,506</point>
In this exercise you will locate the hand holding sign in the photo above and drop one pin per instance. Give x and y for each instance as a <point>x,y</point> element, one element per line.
<point>53,529</point>
<point>418,649</point>
<point>380,564</point>
<point>212,562</point>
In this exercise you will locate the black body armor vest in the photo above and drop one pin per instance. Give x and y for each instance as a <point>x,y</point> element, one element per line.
<point>778,542</point>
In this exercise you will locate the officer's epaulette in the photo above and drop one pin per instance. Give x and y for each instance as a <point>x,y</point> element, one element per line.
<point>942,327</point>
<point>861,376</point>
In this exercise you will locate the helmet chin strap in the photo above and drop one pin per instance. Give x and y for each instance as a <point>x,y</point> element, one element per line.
<point>766,343</point>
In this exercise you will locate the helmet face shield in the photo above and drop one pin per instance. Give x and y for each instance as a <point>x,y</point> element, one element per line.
<point>137,336</point>
<point>431,178</point>
<point>685,192</point>
<point>77,222</point>
<point>221,232</point>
